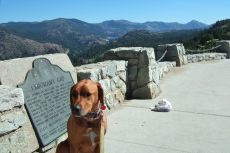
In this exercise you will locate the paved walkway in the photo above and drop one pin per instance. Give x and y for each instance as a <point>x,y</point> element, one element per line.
<point>198,123</point>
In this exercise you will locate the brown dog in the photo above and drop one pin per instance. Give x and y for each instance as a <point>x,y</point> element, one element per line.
<point>83,126</point>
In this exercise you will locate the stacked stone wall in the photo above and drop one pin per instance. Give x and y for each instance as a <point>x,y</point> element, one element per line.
<point>16,131</point>
<point>175,52</point>
<point>192,58</point>
<point>165,67</point>
<point>13,117</point>
<point>224,48</point>
<point>143,76</point>
<point>113,77</point>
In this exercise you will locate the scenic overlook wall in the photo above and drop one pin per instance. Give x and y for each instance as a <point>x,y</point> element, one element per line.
<point>143,76</point>
<point>128,73</point>
<point>175,52</point>
<point>224,48</point>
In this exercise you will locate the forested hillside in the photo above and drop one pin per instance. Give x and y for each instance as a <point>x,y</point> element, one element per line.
<point>73,34</point>
<point>137,38</point>
<point>219,31</point>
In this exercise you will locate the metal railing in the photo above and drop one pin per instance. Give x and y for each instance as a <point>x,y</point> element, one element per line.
<point>162,56</point>
<point>206,50</point>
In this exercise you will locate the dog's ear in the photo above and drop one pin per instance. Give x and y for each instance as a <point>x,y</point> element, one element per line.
<point>70,97</point>
<point>100,93</point>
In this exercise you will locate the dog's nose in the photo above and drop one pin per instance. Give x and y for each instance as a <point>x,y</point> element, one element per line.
<point>76,109</point>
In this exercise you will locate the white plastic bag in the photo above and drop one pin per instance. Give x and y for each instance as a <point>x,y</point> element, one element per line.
<point>163,106</point>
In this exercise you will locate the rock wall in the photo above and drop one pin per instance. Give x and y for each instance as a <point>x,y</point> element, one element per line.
<point>175,52</point>
<point>113,77</point>
<point>165,67</point>
<point>192,58</point>
<point>13,117</point>
<point>16,131</point>
<point>224,48</point>
<point>143,76</point>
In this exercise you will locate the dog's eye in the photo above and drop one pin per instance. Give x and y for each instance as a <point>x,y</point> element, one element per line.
<point>88,94</point>
<point>74,94</point>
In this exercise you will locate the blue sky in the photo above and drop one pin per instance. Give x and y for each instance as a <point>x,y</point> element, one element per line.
<point>96,11</point>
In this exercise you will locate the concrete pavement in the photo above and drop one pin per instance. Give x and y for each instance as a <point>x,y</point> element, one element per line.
<point>198,123</point>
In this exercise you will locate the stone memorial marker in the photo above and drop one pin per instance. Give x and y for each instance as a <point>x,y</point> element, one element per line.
<point>46,91</point>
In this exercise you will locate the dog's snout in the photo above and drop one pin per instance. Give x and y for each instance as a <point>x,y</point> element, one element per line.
<point>76,108</point>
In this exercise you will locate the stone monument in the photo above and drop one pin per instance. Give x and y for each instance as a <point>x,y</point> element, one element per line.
<point>46,93</point>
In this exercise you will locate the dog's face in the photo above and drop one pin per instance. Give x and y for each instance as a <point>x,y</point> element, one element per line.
<point>85,97</point>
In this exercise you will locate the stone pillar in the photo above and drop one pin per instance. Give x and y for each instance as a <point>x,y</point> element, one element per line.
<point>175,52</point>
<point>224,48</point>
<point>143,76</point>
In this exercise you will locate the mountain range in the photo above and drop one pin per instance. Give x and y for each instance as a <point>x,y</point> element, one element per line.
<point>117,28</point>
<point>79,36</point>
<point>111,28</point>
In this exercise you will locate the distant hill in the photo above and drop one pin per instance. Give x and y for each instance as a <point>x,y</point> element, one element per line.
<point>117,28</point>
<point>220,30</point>
<point>143,38</point>
<point>15,47</point>
<point>74,34</point>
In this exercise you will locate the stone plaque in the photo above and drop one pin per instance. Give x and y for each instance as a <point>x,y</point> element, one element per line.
<point>46,91</point>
